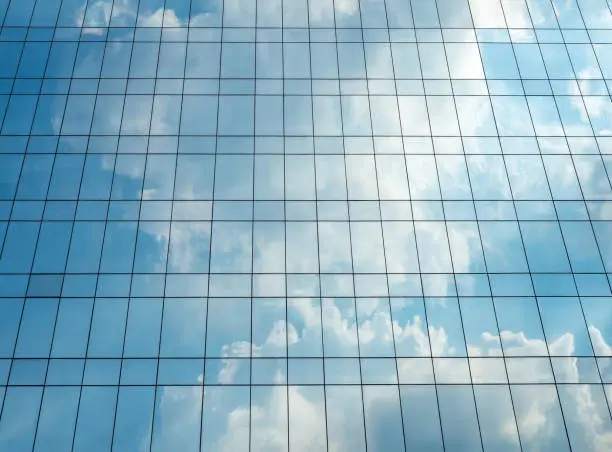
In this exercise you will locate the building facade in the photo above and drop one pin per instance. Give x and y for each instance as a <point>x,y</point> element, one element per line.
<point>305,225</point>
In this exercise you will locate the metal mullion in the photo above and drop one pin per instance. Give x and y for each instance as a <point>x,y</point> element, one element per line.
<point>239,27</point>
<point>113,77</point>
<point>285,222</point>
<point>250,434</point>
<point>312,120</point>
<point>346,357</point>
<point>387,296</point>
<point>310,221</point>
<point>208,301</point>
<point>308,136</point>
<point>144,177</point>
<point>173,190</point>
<point>52,220</point>
<point>365,434</point>
<point>104,241</point>
<point>523,244</point>
<point>293,221</point>
<point>274,385</point>
<point>293,273</point>
<point>602,297</point>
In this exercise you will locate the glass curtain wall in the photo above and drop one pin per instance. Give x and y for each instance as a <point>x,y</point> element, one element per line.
<point>305,225</point>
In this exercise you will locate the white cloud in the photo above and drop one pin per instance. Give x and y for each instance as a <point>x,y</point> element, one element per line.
<point>95,15</point>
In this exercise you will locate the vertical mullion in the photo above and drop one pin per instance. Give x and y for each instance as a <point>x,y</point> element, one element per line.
<point>314,162</point>
<point>104,236</point>
<point>211,224</point>
<point>365,434</point>
<point>252,300</point>
<point>285,223</point>
<point>48,188</point>
<point>144,178</point>
<point>380,221</point>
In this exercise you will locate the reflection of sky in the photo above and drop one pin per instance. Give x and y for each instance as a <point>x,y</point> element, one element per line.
<point>394,127</point>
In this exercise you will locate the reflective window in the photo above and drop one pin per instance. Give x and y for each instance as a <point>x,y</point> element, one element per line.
<point>342,225</point>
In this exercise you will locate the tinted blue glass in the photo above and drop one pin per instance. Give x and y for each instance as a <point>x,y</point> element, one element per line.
<point>305,225</point>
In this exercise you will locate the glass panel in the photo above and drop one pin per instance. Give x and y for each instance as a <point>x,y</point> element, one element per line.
<point>177,418</point>
<point>132,428</point>
<point>94,426</point>
<point>421,418</point>
<point>57,418</point>
<point>19,417</point>
<point>383,401</point>
<point>460,427</point>
<point>526,398</point>
<point>270,413</point>
<point>36,331</point>
<point>72,328</point>
<point>10,314</point>
<point>497,422</point>
<point>305,224</point>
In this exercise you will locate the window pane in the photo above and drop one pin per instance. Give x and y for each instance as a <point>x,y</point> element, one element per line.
<point>134,416</point>
<point>385,398</point>
<point>96,416</point>
<point>19,416</point>
<point>57,418</point>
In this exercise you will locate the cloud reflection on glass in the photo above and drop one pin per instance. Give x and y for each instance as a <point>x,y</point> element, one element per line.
<point>275,225</point>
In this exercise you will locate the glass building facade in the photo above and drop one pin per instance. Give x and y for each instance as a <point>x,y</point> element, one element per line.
<point>305,225</point>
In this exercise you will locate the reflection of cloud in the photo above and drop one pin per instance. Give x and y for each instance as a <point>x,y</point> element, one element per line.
<point>536,409</point>
<point>165,17</point>
<point>591,103</point>
<point>95,15</point>
<point>268,424</point>
<point>338,247</point>
<point>177,418</point>
<point>536,418</point>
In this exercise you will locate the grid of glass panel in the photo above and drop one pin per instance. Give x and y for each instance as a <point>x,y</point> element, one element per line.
<point>305,225</point>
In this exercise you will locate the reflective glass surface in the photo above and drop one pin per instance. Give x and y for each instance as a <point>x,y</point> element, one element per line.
<point>305,225</point>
